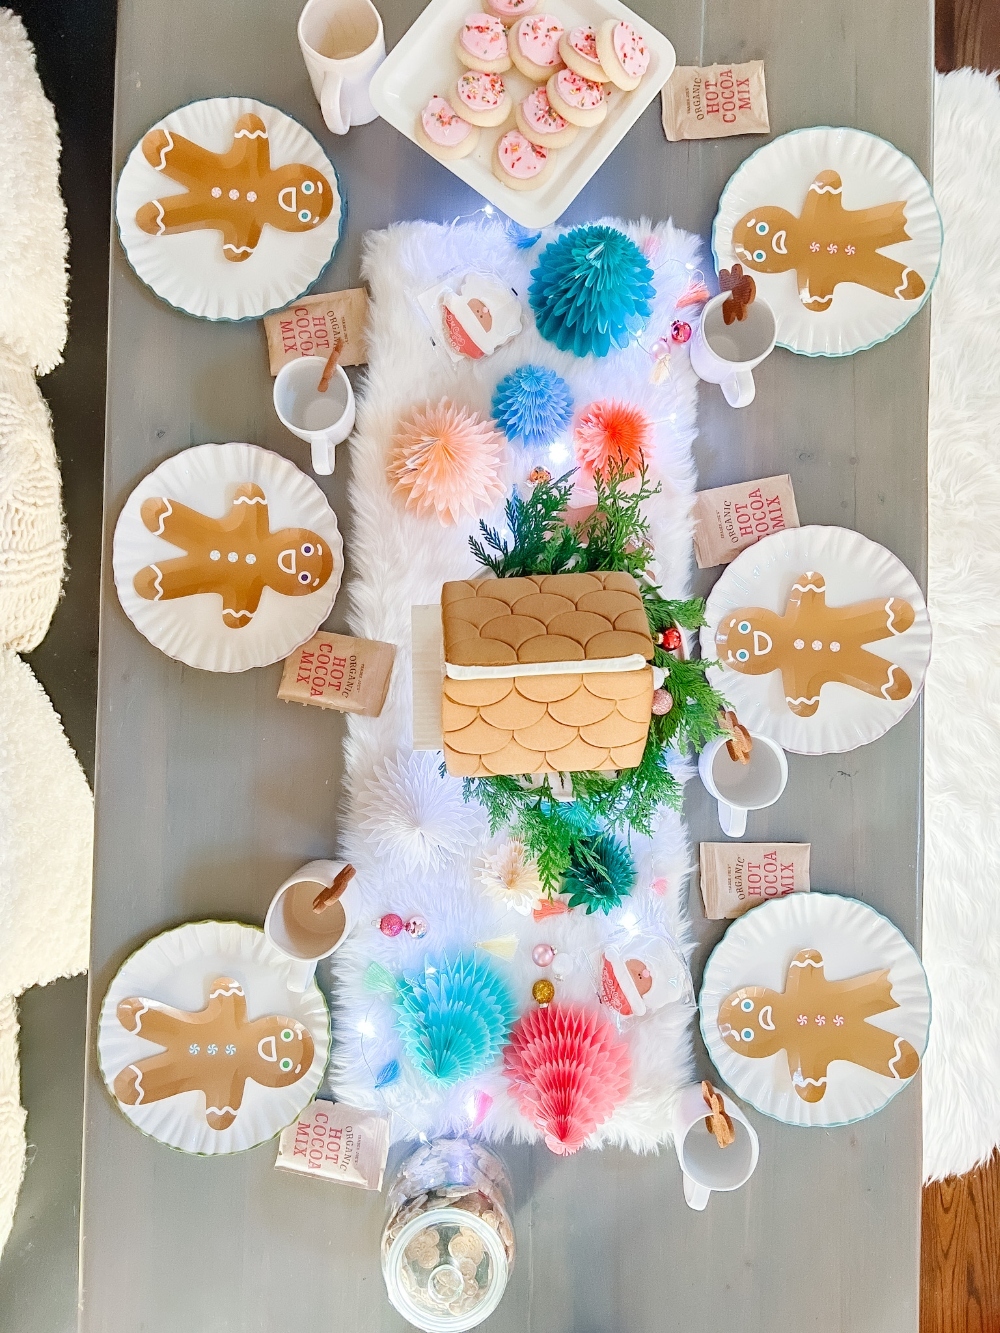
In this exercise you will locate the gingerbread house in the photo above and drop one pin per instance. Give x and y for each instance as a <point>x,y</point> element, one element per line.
<point>545,674</point>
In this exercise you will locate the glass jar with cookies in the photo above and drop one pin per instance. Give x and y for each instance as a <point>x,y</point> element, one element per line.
<point>448,1242</point>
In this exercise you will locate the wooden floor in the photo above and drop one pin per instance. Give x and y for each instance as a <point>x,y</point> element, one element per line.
<point>960,1226</point>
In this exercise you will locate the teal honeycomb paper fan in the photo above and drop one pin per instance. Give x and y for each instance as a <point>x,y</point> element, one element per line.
<point>453,1017</point>
<point>592,290</point>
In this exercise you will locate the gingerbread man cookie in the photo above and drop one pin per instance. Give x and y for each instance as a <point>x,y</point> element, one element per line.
<point>816,1021</point>
<point>813,644</point>
<point>828,244</point>
<point>213,1051</point>
<point>237,556</point>
<point>236,192</point>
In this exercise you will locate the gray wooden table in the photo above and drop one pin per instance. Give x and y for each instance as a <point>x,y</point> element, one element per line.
<point>210,791</point>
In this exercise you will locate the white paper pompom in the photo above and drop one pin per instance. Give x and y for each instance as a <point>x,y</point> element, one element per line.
<point>413,815</point>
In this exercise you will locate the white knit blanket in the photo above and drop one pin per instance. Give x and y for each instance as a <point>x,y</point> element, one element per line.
<point>402,561</point>
<point>961,938</point>
<point>46,812</point>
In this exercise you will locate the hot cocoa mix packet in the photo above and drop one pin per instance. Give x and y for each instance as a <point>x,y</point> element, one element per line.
<point>736,876</point>
<point>331,1141</point>
<point>715,102</point>
<point>728,519</point>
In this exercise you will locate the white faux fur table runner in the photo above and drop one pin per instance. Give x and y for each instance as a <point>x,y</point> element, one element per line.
<point>402,562</point>
<point>961,937</point>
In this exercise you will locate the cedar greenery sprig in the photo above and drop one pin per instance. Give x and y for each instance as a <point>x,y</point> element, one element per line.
<point>614,537</point>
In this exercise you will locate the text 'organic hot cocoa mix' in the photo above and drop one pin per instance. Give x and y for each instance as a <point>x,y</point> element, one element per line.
<point>736,876</point>
<point>715,102</point>
<point>336,1142</point>
<point>338,671</point>
<point>731,518</point>
<point>313,324</point>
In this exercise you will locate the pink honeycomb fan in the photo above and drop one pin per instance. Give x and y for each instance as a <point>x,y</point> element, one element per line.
<point>568,1070</point>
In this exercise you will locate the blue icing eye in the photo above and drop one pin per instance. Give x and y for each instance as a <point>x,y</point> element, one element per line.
<point>307,548</point>
<point>746,1006</point>
<point>747,1034</point>
<point>305,215</point>
<point>744,627</point>
<point>759,255</point>
<point>308,187</point>
<point>742,655</point>
<point>761,228</point>
<point>285,1065</point>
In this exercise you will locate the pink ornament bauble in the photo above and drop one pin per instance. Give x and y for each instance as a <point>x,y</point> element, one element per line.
<point>680,332</point>
<point>390,924</point>
<point>417,927</point>
<point>542,955</point>
<point>663,701</point>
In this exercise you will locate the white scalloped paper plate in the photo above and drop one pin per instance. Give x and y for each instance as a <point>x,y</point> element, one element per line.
<point>176,968</point>
<point>191,629</point>
<point>853,938</point>
<point>188,270</point>
<point>855,569</point>
<point>873,172</point>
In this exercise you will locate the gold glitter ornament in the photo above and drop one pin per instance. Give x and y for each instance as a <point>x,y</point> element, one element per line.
<point>543,991</point>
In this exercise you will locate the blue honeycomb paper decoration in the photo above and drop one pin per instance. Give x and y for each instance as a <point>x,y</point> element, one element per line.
<point>533,405</point>
<point>453,1017</point>
<point>592,290</point>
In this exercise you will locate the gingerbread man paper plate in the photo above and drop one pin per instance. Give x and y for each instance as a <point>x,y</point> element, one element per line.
<point>822,637</point>
<point>205,1046</point>
<point>228,208</point>
<point>841,233</point>
<point>815,1009</point>
<point>227,557</point>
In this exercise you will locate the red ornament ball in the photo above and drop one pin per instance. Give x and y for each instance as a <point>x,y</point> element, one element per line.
<point>391,924</point>
<point>671,639</point>
<point>680,332</point>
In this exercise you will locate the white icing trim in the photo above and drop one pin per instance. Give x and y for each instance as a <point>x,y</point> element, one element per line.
<point>234,987</point>
<point>805,962</point>
<point>138,1085</point>
<point>766,1023</point>
<point>904,282</point>
<point>161,226</point>
<point>138,1016</point>
<point>802,699</point>
<point>167,147</point>
<point>250,500</point>
<point>220,1111</point>
<point>826,189</point>
<point>807,299</point>
<point>238,249</point>
<point>781,249</point>
<point>250,134</point>
<point>897,1056</point>
<point>634,662</point>
<point>891,618</point>
<point>163,517</point>
<point>893,668</point>
<point>801,1081</point>
<point>157,584</point>
<point>237,615</point>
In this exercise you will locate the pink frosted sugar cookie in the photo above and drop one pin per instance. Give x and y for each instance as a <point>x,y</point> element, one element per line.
<point>519,163</point>
<point>481,98</point>
<point>580,101</point>
<point>578,49</point>
<point>538,122</point>
<point>509,11</point>
<point>534,46</point>
<point>443,133</point>
<point>482,44</point>
<point>623,52</point>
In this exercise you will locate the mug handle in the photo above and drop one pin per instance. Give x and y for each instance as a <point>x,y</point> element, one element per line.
<point>300,973</point>
<point>323,455</point>
<point>732,820</point>
<point>695,1196</point>
<point>331,103</point>
<point>739,389</point>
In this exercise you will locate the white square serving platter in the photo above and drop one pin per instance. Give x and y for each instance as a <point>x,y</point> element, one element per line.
<point>423,62</point>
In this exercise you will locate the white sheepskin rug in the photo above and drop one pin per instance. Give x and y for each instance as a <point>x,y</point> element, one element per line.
<point>414,843</point>
<point>46,810</point>
<point>961,936</point>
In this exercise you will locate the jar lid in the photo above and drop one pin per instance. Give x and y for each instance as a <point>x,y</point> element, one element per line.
<point>446,1270</point>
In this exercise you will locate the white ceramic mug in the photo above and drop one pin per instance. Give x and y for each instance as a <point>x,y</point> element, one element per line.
<point>741,787</point>
<point>725,354</point>
<point>321,419</point>
<point>706,1166</point>
<point>343,45</point>
<point>305,947</point>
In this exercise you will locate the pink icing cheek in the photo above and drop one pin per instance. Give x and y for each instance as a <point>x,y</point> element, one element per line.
<point>484,37</point>
<point>519,157</point>
<point>630,50</point>
<point>441,124</point>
